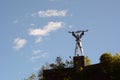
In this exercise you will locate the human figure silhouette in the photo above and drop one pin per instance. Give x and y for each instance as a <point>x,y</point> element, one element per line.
<point>78,37</point>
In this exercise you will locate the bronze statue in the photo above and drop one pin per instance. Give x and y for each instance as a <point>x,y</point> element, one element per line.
<point>78,35</point>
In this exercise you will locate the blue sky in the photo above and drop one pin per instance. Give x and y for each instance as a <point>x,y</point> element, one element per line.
<point>34,32</point>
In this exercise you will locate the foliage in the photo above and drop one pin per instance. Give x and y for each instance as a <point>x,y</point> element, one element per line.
<point>59,64</point>
<point>106,58</point>
<point>87,61</point>
<point>40,74</point>
<point>111,65</point>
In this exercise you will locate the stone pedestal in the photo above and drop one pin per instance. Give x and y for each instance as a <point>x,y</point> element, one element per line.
<point>79,62</point>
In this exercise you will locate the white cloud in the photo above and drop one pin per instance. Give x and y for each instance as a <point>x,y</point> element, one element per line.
<point>19,43</point>
<point>34,58</point>
<point>51,13</point>
<point>38,40</point>
<point>51,26</point>
<point>44,55</point>
<point>37,57</point>
<point>32,24</point>
<point>36,52</point>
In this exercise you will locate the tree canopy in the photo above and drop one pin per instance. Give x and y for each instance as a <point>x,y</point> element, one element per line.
<point>111,65</point>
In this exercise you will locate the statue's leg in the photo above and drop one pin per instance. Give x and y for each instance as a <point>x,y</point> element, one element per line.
<point>81,49</point>
<point>76,49</point>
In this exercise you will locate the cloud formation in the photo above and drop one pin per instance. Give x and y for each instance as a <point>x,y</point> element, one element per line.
<point>19,43</point>
<point>52,13</point>
<point>37,57</point>
<point>51,26</point>
<point>38,40</point>
<point>36,52</point>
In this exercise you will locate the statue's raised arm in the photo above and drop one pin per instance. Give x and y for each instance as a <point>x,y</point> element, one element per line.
<point>82,33</point>
<point>73,34</point>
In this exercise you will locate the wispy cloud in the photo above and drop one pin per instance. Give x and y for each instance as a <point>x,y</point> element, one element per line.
<point>32,24</point>
<point>52,13</point>
<point>38,40</point>
<point>37,57</point>
<point>19,43</point>
<point>34,58</point>
<point>40,32</point>
<point>51,26</point>
<point>36,52</point>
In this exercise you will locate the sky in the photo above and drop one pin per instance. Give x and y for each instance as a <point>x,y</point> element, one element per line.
<point>35,32</point>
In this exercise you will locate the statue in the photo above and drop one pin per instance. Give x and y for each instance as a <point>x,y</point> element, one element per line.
<point>78,35</point>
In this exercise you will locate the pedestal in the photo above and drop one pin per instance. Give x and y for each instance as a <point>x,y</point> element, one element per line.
<point>79,62</point>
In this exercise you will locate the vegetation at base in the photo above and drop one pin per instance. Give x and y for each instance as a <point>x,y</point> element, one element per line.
<point>32,77</point>
<point>60,64</point>
<point>110,66</point>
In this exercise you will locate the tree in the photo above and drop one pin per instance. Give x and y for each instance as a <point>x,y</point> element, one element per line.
<point>32,77</point>
<point>59,64</point>
<point>40,74</point>
<point>87,61</point>
<point>111,65</point>
<point>106,58</point>
<point>115,73</point>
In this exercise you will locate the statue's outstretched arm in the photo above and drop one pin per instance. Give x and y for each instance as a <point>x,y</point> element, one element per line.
<point>81,34</point>
<point>74,35</point>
